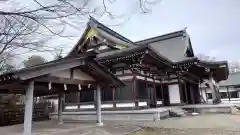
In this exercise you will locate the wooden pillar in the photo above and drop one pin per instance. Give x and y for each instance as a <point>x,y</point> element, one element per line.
<point>162,94</point>
<point>229,96</point>
<point>185,91</point>
<point>135,87</point>
<point>135,91</point>
<point>78,99</point>
<point>146,89</point>
<point>113,93</point>
<point>99,112</point>
<point>60,108</point>
<point>192,95</point>
<point>155,91</point>
<point>95,96</point>
<point>180,89</point>
<point>114,97</point>
<point>27,130</point>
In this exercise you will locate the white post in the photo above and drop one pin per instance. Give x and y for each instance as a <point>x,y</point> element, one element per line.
<point>60,108</point>
<point>28,109</point>
<point>99,117</point>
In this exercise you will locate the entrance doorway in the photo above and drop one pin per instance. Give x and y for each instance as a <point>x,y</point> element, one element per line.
<point>151,96</point>
<point>166,100</point>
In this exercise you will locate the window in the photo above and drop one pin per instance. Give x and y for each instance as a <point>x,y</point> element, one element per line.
<point>87,96</point>
<point>71,97</point>
<point>125,93</point>
<point>224,94</point>
<point>107,94</point>
<point>142,94</point>
<point>234,94</point>
<point>158,92</point>
<point>209,95</point>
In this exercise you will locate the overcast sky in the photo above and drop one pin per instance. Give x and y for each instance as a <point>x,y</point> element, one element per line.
<point>213,25</point>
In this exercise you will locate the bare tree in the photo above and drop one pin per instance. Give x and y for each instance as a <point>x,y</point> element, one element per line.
<point>27,27</point>
<point>58,55</point>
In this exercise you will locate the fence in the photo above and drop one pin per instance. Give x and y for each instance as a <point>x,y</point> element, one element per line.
<point>11,116</point>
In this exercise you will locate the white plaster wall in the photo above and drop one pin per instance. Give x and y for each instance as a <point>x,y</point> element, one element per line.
<point>63,73</point>
<point>142,103</point>
<point>79,74</point>
<point>174,94</point>
<point>125,105</point>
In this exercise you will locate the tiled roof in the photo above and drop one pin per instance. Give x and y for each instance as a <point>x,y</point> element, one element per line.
<point>173,49</point>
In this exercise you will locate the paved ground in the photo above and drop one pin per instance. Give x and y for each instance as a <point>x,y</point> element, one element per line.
<point>71,128</point>
<point>218,124</point>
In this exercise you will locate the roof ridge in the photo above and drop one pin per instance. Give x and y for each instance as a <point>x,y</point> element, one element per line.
<point>109,30</point>
<point>162,37</point>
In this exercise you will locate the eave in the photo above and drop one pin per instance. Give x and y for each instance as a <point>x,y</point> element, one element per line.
<point>47,73</point>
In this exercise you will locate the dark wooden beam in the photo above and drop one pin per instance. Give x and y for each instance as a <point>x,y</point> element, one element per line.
<point>60,80</point>
<point>189,80</point>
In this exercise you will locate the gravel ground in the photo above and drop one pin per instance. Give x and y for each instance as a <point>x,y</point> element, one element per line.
<point>71,128</point>
<point>190,131</point>
<point>217,124</point>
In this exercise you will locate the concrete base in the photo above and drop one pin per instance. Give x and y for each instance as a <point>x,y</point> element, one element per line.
<point>100,124</point>
<point>153,114</point>
<point>209,108</point>
<point>60,122</point>
<point>136,115</point>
